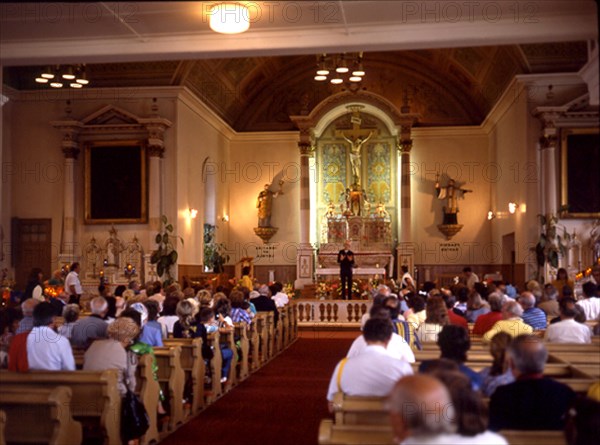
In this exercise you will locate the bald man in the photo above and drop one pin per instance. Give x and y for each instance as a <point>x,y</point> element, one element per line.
<point>532,402</point>
<point>421,411</point>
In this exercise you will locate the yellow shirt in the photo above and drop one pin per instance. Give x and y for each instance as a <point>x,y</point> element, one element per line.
<point>246,282</point>
<point>514,327</point>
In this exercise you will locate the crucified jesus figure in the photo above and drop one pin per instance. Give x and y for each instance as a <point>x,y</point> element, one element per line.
<point>355,146</point>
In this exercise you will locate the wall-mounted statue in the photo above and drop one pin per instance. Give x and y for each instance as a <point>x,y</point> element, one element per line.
<point>264,204</point>
<point>451,193</point>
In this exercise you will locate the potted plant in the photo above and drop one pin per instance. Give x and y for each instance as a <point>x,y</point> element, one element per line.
<point>215,255</point>
<point>165,256</point>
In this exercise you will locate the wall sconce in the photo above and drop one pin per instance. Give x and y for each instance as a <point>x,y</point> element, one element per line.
<point>513,206</point>
<point>490,215</point>
<point>193,213</point>
<point>225,218</point>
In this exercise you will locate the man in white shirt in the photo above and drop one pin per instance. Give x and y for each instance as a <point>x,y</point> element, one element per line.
<point>567,330</point>
<point>46,349</point>
<point>73,285</point>
<point>591,303</point>
<point>397,346</point>
<point>470,278</point>
<point>280,298</point>
<point>373,372</point>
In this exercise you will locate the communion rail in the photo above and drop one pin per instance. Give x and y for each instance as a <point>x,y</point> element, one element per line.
<point>331,313</point>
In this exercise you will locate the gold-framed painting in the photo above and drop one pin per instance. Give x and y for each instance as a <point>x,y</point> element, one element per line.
<point>580,181</point>
<point>116,189</point>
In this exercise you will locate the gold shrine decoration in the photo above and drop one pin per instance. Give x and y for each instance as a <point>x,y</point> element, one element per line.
<point>265,233</point>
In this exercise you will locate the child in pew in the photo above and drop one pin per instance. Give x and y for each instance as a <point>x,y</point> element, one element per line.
<point>209,320</point>
<point>141,348</point>
<point>190,325</point>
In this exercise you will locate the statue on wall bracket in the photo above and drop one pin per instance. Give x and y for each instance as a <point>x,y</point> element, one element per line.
<point>264,204</point>
<point>451,193</point>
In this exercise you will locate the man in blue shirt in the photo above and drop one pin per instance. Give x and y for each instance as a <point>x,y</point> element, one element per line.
<point>533,316</point>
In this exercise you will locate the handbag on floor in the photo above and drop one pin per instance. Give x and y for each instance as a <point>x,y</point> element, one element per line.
<point>134,417</point>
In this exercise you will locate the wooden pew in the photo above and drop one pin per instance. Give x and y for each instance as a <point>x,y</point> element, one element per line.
<point>215,368</point>
<point>355,410</point>
<point>40,415</point>
<point>94,395</point>
<point>270,335</point>
<point>2,427</point>
<point>263,335</point>
<point>193,366</point>
<point>254,347</point>
<point>228,339</point>
<point>172,379</point>
<point>584,358</point>
<point>333,434</point>
<point>473,356</point>
<point>241,333</point>
<point>516,437</point>
<point>148,392</point>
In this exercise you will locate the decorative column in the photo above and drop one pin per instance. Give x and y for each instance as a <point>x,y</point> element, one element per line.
<point>547,145</point>
<point>405,249</point>
<point>70,148</point>
<point>305,255</point>
<point>156,127</point>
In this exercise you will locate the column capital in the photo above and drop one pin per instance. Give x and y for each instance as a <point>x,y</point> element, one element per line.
<point>306,149</point>
<point>156,151</point>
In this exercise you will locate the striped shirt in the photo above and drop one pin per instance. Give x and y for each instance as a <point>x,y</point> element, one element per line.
<point>535,317</point>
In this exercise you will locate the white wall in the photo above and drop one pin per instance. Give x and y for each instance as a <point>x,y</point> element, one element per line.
<point>460,154</point>
<point>199,136</point>
<point>255,160</point>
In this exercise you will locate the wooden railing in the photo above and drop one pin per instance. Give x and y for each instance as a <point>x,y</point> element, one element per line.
<point>331,312</point>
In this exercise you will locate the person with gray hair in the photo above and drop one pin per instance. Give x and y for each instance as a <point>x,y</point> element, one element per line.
<point>511,322</point>
<point>26,323</point>
<point>88,329</point>
<point>421,411</point>
<point>533,316</point>
<point>70,313</point>
<point>532,402</point>
<point>487,321</point>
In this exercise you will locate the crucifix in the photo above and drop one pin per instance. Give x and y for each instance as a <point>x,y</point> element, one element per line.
<point>356,137</point>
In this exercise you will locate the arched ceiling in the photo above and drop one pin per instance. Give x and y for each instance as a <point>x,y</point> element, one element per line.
<point>447,87</point>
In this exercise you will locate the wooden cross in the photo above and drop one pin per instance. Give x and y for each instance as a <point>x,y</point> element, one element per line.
<point>356,131</point>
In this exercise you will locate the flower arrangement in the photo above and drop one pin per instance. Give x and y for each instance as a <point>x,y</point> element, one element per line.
<point>331,289</point>
<point>289,290</point>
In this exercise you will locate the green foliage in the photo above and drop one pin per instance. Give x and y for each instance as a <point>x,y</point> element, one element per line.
<point>165,256</point>
<point>215,255</point>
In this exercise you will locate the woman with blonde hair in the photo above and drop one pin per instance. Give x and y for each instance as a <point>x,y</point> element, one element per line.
<point>499,373</point>
<point>436,319</point>
<point>112,353</point>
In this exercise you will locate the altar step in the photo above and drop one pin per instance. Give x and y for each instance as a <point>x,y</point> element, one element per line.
<point>309,291</point>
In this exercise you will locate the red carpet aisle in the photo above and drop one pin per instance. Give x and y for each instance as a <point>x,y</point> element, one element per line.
<point>282,403</point>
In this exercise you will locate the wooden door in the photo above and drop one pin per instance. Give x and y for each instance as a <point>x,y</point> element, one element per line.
<point>32,248</point>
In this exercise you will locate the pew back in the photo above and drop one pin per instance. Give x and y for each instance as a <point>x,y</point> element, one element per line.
<point>94,394</point>
<point>47,413</point>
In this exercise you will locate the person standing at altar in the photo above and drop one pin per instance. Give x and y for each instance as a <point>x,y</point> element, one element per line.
<point>73,285</point>
<point>346,260</point>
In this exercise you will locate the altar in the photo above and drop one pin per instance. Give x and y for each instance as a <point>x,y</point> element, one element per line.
<point>359,272</point>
